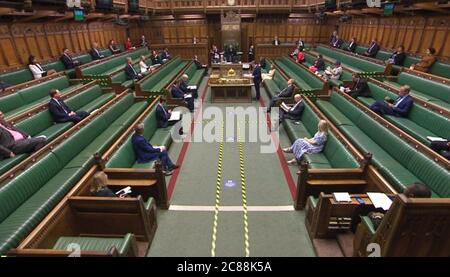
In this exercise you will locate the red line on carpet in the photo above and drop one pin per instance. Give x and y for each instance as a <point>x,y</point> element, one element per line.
<point>184,148</point>
<point>284,166</point>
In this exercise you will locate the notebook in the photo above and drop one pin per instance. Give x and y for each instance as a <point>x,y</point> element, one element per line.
<point>175,115</point>
<point>435,139</point>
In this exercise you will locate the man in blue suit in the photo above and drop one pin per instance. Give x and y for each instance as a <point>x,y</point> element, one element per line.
<point>145,152</point>
<point>257,79</point>
<point>176,92</point>
<point>131,72</point>
<point>95,53</point>
<point>373,49</point>
<point>295,111</point>
<point>400,107</point>
<point>163,115</point>
<point>61,112</point>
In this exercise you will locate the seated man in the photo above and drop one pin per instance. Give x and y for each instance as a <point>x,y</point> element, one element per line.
<point>95,53</point>
<point>155,58</point>
<point>400,107</point>
<point>199,64</point>
<point>163,115</point>
<point>442,147</point>
<point>358,88</point>
<point>61,112</point>
<point>165,55</point>
<point>287,92</point>
<point>145,152</point>
<point>337,42</point>
<point>398,57</point>
<point>67,60</point>
<point>14,141</point>
<point>294,112</point>
<point>373,49</point>
<point>352,46</point>
<point>177,93</point>
<point>131,72</point>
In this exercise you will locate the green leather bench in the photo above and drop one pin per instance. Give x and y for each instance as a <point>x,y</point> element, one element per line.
<point>425,89</point>
<point>345,76</point>
<point>121,78</point>
<point>100,244</point>
<point>419,118</point>
<point>399,162</point>
<point>334,154</point>
<point>24,99</point>
<point>42,124</point>
<point>276,84</point>
<point>26,199</point>
<point>124,157</point>
<point>195,75</point>
<point>102,67</point>
<point>158,81</point>
<point>303,78</point>
<point>350,62</point>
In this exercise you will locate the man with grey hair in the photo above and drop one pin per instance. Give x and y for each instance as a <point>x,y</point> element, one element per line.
<point>285,93</point>
<point>399,107</point>
<point>145,152</point>
<point>294,112</point>
<point>131,72</point>
<point>95,53</point>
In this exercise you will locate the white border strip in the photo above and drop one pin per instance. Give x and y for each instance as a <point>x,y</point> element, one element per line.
<point>231,208</point>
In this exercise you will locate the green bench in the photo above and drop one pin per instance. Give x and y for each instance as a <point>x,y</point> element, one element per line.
<point>350,62</point>
<point>158,81</point>
<point>26,199</point>
<point>121,79</point>
<point>27,98</point>
<point>302,77</point>
<point>345,76</point>
<point>334,154</point>
<point>276,84</point>
<point>104,66</point>
<point>124,157</point>
<point>99,244</point>
<point>195,75</point>
<point>399,162</point>
<point>419,118</point>
<point>425,89</point>
<point>42,124</point>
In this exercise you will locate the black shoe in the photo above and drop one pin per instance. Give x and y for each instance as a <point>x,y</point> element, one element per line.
<point>175,166</point>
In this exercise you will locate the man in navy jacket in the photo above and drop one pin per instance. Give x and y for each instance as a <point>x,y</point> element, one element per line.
<point>257,79</point>
<point>131,72</point>
<point>373,49</point>
<point>61,112</point>
<point>145,152</point>
<point>400,107</point>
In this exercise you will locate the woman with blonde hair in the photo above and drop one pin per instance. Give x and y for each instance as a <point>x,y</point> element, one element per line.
<point>99,185</point>
<point>144,67</point>
<point>270,74</point>
<point>309,145</point>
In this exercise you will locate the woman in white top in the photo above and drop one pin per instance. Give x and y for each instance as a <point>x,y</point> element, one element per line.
<point>269,75</point>
<point>37,70</point>
<point>144,67</point>
<point>335,72</point>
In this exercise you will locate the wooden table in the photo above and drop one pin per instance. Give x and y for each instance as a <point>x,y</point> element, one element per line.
<point>228,93</point>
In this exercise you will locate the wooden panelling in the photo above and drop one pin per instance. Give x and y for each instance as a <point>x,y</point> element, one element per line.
<point>415,33</point>
<point>46,40</point>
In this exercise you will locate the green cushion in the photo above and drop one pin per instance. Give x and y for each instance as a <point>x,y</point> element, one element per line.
<point>365,220</point>
<point>96,243</point>
<point>17,77</point>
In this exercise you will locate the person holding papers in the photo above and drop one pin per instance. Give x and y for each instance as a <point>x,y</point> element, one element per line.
<point>14,141</point>
<point>165,117</point>
<point>285,93</point>
<point>400,106</point>
<point>309,145</point>
<point>294,112</point>
<point>99,186</point>
<point>334,72</point>
<point>176,92</point>
<point>352,46</point>
<point>198,64</point>
<point>61,112</point>
<point>131,72</point>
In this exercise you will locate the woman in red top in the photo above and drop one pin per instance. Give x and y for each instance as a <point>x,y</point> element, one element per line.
<point>128,45</point>
<point>300,55</point>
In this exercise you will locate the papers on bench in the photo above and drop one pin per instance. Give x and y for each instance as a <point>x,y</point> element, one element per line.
<point>175,116</point>
<point>342,197</point>
<point>187,95</point>
<point>192,87</point>
<point>380,200</point>
<point>126,190</point>
<point>435,139</point>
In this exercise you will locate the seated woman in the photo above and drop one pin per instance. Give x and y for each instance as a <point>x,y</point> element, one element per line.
<point>300,55</point>
<point>426,62</point>
<point>99,186</point>
<point>37,70</point>
<point>318,65</point>
<point>270,74</point>
<point>143,66</point>
<point>113,47</point>
<point>334,73</point>
<point>129,45</point>
<point>309,146</point>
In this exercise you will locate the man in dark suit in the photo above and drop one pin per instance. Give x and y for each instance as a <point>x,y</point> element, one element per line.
<point>143,41</point>
<point>373,49</point>
<point>257,78</point>
<point>162,114</point>
<point>294,112</point>
<point>67,60</point>
<point>95,53</point>
<point>300,44</point>
<point>251,53</point>
<point>131,72</point>
<point>145,152</point>
<point>399,108</point>
<point>333,37</point>
<point>337,42</point>
<point>398,57</point>
<point>177,93</point>
<point>198,64</point>
<point>61,112</point>
<point>442,147</point>
<point>165,55</point>
<point>352,46</point>
<point>358,88</point>
<point>276,41</point>
<point>14,141</point>
<point>285,93</point>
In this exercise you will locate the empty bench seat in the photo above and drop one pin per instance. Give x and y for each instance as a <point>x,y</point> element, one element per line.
<point>195,75</point>
<point>302,77</point>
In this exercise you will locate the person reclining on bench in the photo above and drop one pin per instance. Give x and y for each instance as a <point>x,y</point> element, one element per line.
<point>131,72</point>
<point>145,152</point>
<point>61,112</point>
<point>294,112</point>
<point>14,141</point>
<point>285,93</point>
<point>400,107</point>
<point>309,146</point>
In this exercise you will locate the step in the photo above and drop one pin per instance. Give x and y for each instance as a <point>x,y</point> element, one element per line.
<point>345,242</point>
<point>338,182</point>
<point>327,248</point>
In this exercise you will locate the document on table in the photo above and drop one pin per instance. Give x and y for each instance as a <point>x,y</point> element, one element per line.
<point>380,200</point>
<point>342,197</point>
